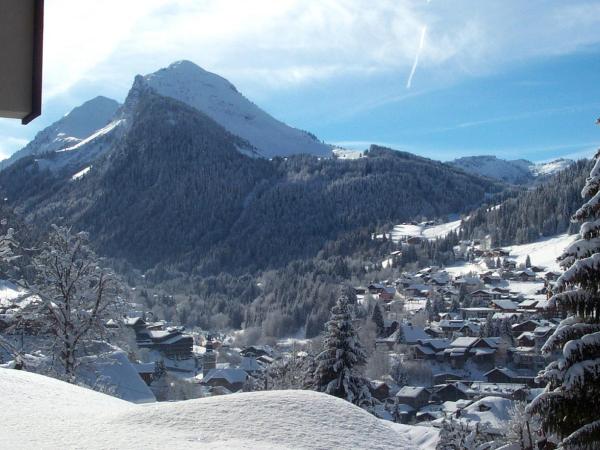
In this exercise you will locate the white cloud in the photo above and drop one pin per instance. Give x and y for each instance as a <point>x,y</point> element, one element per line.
<point>9,145</point>
<point>287,42</point>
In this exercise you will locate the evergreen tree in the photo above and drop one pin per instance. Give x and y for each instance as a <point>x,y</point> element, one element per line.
<point>528,262</point>
<point>569,404</point>
<point>336,371</point>
<point>377,318</point>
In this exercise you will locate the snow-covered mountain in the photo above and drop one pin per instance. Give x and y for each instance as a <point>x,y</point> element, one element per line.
<point>221,101</point>
<point>71,130</point>
<point>47,413</point>
<point>518,171</point>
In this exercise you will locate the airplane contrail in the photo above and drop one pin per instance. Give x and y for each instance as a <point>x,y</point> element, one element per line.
<point>416,61</point>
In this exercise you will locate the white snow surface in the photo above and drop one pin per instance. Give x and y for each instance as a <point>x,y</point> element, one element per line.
<point>220,100</point>
<point>424,231</point>
<point>47,413</point>
<point>81,173</point>
<point>543,252</point>
<point>343,153</point>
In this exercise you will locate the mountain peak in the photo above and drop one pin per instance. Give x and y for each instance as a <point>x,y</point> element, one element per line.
<point>221,101</point>
<point>74,127</point>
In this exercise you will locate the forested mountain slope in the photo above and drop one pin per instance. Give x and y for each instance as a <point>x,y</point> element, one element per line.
<point>541,211</point>
<point>172,188</point>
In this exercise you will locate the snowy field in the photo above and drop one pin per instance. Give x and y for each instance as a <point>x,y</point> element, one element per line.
<point>424,231</point>
<point>47,413</point>
<point>343,153</point>
<point>543,252</point>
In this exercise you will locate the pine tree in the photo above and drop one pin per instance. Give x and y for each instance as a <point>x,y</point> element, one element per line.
<point>377,318</point>
<point>528,261</point>
<point>569,404</point>
<point>336,372</point>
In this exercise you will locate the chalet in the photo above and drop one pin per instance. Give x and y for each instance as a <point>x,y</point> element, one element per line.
<point>482,296</point>
<point>510,316</point>
<point>477,312</point>
<point>449,392</point>
<point>231,379</point>
<point>480,350</point>
<point>504,375</point>
<point>135,323</point>
<point>387,294</point>
<point>493,278</point>
<point>405,334</point>
<point>415,397</point>
<point>525,275</point>
<point>526,339</point>
<point>429,348</point>
<point>445,377</point>
<point>512,391</point>
<point>172,343</point>
<point>379,389</point>
<point>501,291</point>
<point>376,288</point>
<point>470,329</point>
<point>449,327</point>
<point>526,358</point>
<point>528,325</point>
<point>537,269</point>
<point>528,305</point>
<point>509,264</point>
<point>504,305</point>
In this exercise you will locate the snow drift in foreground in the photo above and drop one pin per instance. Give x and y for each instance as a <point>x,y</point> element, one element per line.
<point>48,413</point>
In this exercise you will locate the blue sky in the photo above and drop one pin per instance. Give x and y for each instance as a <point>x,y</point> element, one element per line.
<point>438,78</point>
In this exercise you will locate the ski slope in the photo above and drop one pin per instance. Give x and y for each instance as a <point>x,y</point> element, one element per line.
<point>50,414</point>
<point>543,252</point>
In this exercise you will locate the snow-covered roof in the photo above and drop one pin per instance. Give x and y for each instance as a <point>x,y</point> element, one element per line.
<point>231,375</point>
<point>463,342</point>
<point>411,391</point>
<point>505,304</point>
<point>493,411</point>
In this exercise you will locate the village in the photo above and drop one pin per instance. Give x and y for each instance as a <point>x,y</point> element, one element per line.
<point>460,344</point>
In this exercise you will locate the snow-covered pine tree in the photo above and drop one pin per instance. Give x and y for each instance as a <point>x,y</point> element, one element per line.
<point>336,371</point>
<point>76,296</point>
<point>377,318</point>
<point>569,404</point>
<point>528,261</point>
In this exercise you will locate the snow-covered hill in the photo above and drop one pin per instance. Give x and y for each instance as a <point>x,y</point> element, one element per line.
<point>518,171</point>
<point>75,127</point>
<point>220,100</point>
<point>47,413</point>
